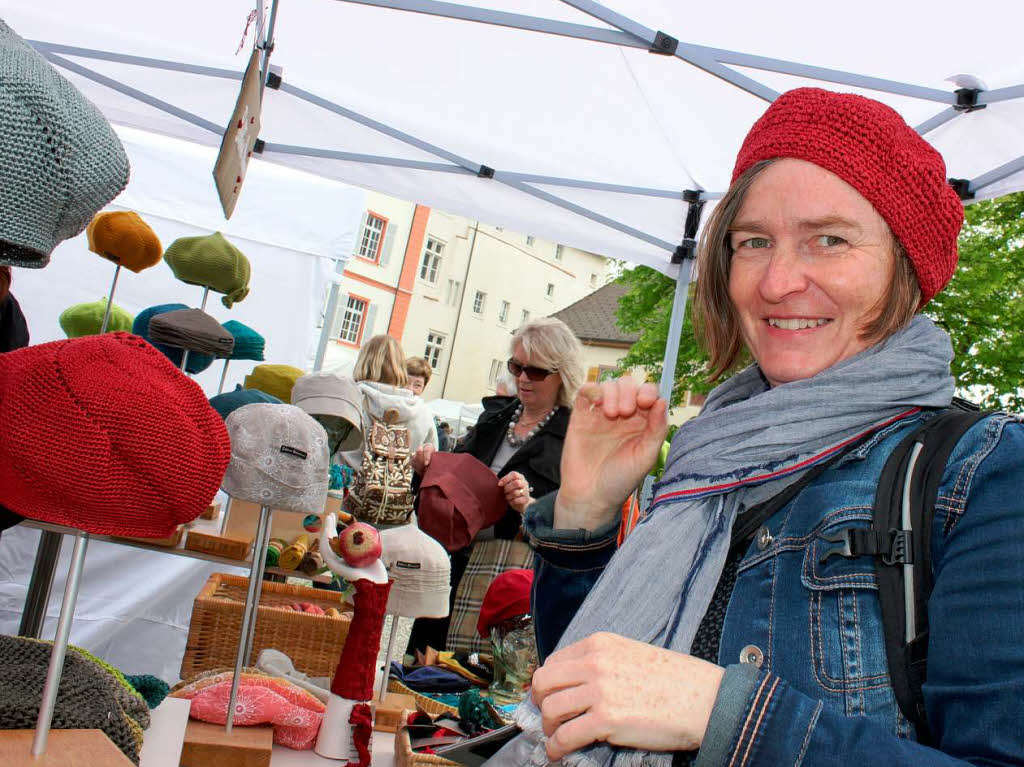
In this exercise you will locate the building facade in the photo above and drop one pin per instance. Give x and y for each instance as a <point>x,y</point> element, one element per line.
<point>452,290</point>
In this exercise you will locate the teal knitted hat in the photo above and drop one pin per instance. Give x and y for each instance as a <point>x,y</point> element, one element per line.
<point>60,161</point>
<point>87,319</point>
<point>212,262</point>
<point>249,344</point>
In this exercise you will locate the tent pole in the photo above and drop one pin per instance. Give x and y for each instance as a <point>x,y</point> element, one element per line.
<point>223,376</point>
<point>675,329</point>
<point>267,44</point>
<point>329,313</point>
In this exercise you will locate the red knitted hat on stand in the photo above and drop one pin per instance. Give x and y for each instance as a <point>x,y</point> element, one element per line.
<point>104,434</point>
<point>870,147</point>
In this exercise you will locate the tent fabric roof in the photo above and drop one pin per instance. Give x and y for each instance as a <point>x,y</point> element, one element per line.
<point>592,139</point>
<point>592,318</point>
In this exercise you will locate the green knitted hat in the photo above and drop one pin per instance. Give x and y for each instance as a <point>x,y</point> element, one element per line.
<point>212,262</point>
<point>60,160</point>
<point>87,319</point>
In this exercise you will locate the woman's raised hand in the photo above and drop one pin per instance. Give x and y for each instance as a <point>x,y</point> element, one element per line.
<point>421,458</point>
<point>614,435</point>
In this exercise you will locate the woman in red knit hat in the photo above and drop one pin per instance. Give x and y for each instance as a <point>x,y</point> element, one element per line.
<point>761,611</point>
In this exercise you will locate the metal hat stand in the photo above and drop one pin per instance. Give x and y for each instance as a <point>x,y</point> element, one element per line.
<point>67,607</point>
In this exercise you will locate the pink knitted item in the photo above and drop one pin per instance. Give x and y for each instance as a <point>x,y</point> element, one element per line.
<point>870,147</point>
<point>353,678</point>
<point>294,713</point>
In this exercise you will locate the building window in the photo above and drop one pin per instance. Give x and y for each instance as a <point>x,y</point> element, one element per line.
<point>503,313</point>
<point>558,252</point>
<point>529,239</point>
<point>492,376</point>
<point>551,290</point>
<point>454,291</point>
<point>352,323</point>
<point>430,266</point>
<point>373,237</point>
<point>435,345</point>
<point>593,280</point>
<point>478,302</point>
<point>525,319</point>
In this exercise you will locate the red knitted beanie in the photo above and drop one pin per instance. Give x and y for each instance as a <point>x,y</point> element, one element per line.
<point>871,148</point>
<point>104,434</point>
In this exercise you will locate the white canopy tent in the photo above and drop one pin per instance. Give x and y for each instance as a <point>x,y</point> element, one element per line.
<point>547,116</point>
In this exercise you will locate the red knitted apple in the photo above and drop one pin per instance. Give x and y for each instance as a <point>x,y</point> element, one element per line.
<point>359,544</point>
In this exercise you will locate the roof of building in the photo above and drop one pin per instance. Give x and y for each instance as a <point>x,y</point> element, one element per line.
<point>592,318</point>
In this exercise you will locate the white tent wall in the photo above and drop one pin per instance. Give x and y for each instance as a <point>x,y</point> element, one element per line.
<point>454,95</point>
<point>288,224</point>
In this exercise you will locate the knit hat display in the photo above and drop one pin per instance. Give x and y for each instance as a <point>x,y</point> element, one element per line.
<point>870,147</point>
<point>278,458</point>
<point>249,344</point>
<point>60,161</point>
<point>324,394</point>
<point>228,402</point>
<point>87,319</point>
<point>197,363</point>
<point>105,435</point>
<point>276,380</point>
<point>90,695</point>
<point>191,329</point>
<point>123,237</point>
<point>419,570</point>
<point>212,262</point>
<point>508,596</point>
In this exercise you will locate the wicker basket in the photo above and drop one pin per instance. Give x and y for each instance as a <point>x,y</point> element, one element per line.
<point>313,642</point>
<point>423,703</point>
<point>406,757</point>
<point>222,546</point>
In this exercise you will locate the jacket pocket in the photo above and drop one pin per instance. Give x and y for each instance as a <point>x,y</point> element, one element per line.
<point>845,625</point>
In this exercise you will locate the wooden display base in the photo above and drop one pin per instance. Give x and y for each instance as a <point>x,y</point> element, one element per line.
<point>64,748</point>
<point>388,712</point>
<point>208,744</point>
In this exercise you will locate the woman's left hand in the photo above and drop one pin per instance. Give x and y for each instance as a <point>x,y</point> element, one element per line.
<point>626,693</point>
<point>518,492</point>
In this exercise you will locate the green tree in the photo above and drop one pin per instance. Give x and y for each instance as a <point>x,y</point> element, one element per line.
<point>982,309</point>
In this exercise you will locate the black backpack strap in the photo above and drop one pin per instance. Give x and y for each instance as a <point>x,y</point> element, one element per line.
<point>900,541</point>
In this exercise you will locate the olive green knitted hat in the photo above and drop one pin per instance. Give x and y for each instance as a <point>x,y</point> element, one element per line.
<point>60,161</point>
<point>87,319</point>
<point>212,262</point>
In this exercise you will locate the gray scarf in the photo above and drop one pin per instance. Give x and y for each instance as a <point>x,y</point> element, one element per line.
<point>747,445</point>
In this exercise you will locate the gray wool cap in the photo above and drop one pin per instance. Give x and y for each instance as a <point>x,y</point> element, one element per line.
<point>60,161</point>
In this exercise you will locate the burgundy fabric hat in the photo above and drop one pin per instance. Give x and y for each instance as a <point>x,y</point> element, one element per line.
<point>104,434</point>
<point>459,497</point>
<point>871,148</point>
<point>507,596</point>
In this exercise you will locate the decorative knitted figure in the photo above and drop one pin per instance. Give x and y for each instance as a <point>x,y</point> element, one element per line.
<point>344,734</point>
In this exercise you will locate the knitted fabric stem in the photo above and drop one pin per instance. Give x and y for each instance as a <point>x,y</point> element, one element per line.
<point>353,678</point>
<point>361,720</point>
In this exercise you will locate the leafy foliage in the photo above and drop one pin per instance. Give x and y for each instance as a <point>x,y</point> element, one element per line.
<point>982,309</point>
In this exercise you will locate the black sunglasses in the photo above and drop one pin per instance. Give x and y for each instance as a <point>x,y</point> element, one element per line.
<point>533,373</point>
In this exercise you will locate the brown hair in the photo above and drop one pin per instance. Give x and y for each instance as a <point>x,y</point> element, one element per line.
<point>715,320</point>
<point>417,366</point>
<point>381,360</point>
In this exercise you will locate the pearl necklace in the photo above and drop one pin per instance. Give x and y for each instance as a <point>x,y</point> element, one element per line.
<point>510,435</point>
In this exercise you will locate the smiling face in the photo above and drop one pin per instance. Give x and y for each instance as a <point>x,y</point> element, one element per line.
<point>811,262</point>
<point>535,395</point>
<point>416,384</point>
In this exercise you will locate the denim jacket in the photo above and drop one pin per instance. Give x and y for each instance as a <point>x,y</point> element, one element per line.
<point>806,674</point>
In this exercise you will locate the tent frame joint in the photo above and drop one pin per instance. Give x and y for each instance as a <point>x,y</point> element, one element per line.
<point>694,206</point>
<point>664,45</point>
<point>962,187</point>
<point>259,146</point>
<point>485,171</point>
<point>967,100</point>
<point>275,76</point>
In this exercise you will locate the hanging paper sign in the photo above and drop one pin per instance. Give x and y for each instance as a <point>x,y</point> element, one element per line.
<point>239,138</point>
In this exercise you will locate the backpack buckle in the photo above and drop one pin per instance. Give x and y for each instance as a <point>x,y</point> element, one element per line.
<point>893,548</point>
<point>840,537</point>
<point>901,550</point>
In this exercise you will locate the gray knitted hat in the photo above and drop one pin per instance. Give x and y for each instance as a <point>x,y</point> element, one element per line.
<point>60,161</point>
